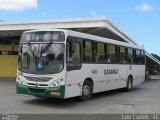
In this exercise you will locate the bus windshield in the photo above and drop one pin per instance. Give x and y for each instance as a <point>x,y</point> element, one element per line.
<point>41,58</point>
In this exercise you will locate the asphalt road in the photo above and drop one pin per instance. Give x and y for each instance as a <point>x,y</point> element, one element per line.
<point>144,98</point>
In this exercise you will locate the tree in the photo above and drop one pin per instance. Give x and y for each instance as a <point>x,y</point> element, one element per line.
<point>156,56</point>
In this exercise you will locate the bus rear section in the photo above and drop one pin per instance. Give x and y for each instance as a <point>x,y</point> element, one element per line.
<point>105,65</point>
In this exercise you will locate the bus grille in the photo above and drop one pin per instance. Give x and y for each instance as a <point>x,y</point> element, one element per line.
<point>37,79</point>
<point>33,90</point>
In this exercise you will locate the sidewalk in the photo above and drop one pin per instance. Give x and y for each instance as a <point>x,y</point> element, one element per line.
<point>154,77</point>
<point>7,78</point>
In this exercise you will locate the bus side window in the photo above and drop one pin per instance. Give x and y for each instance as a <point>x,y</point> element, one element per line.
<point>101,57</point>
<point>134,56</point>
<point>88,51</point>
<point>130,55</point>
<point>137,57</point>
<point>142,57</point>
<point>111,53</point>
<point>73,56</point>
<point>123,55</point>
<point>118,54</point>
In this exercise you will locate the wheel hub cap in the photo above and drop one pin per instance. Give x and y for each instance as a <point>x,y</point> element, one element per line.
<point>86,90</point>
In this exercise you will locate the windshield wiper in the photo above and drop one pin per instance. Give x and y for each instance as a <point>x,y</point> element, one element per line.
<point>28,43</point>
<point>29,46</point>
<point>46,48</point>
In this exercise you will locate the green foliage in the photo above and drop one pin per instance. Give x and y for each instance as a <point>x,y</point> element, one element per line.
<point>156,56</point>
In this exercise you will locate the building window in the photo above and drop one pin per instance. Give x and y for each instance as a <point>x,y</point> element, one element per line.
<point>12,52</point>
<point>8,52</point>
<point>4,52</point>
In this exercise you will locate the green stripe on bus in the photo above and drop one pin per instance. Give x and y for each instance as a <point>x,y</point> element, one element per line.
<point>36,91</point>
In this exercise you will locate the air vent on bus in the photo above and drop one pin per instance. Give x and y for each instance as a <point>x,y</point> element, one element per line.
<point>41,85</point>
<point>34,90</point>
<point>38,79</point>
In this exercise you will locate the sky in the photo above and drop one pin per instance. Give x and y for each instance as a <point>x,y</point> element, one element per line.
<point>139,19</point>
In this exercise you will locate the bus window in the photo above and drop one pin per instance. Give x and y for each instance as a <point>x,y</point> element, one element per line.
<point>88,52</point>
<point>142,57</point>
<point>123,55</point>
<point>74,56</point>
<point>47,36</point>
<point>137,56</point>
<point>118,55</point>
<point>134,56</point>
<point>130,55</point>
<point>101,53</point>
<point>111,53</point>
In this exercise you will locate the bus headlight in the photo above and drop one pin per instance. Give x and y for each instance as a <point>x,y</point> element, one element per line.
<point>57,82</point>
<point>19,81</point>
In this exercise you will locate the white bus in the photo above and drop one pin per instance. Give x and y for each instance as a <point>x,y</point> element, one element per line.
<point>62,64</point>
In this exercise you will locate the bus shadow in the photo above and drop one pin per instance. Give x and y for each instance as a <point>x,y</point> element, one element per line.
<point>110,93</point>
<point>53,102</point>
<point>73,102</point>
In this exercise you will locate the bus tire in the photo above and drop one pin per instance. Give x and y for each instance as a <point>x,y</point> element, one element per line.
<point>87,90</point>
<point>129,84</point>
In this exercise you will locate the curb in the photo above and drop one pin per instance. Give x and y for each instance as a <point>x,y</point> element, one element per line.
<point>8,78</point>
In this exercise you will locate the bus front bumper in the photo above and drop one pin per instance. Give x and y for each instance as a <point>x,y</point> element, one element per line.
<point>41,91</point>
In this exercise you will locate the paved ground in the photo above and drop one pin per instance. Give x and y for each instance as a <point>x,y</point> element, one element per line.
<point>144,98</point>
<point>155,77</point>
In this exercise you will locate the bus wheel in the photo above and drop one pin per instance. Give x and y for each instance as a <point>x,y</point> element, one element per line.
<point>129,84</point>
<point>87,90</point>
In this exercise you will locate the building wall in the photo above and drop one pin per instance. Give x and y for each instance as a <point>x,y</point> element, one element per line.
<point>8,61</point>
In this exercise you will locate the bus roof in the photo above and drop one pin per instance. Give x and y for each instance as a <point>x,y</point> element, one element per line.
<point>90,37</point>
